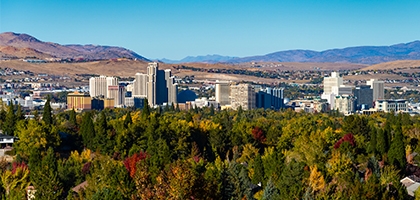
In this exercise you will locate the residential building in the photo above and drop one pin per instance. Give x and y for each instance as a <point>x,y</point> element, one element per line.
<point>116,92</point>
<point>139,85</point>
<point>345,104</point>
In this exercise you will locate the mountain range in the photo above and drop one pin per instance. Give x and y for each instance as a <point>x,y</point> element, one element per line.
<point>15,45</point>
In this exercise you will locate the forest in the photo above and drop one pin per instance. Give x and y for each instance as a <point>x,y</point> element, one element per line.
<point>203,153</point>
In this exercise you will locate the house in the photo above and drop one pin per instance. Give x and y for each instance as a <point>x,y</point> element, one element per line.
<point>411,183</point>
<point>7,140</point>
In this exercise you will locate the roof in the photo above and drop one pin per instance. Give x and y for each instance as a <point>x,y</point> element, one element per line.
<point>7,136</point>
<point>412,188</point>
<point>80,186</point>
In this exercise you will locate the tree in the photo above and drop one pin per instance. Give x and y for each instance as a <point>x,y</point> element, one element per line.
<point>15,181</point>
<point>396,152</point>
<point>72,117</point>
<point>258,176</point>
<point>45,178</point>
<point>87,130</point>
<point>128,120</point>
<point>146,109</point>
<point>47,115</point>
<point>10,121</point>
<point>381,142</point>
<point>270,191</point>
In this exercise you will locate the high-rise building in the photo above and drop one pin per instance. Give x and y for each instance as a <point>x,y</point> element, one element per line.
<point>242,95</point>
<point>98,86</point>
<point>378,89</point>
<point>329,83</point>
<point>139,85</point>
<point>222,92</point>
<point>364,97</point>
<point>116,92</point>
<point>270,98</point>
<point>152,69</point>
<point>171,87</point>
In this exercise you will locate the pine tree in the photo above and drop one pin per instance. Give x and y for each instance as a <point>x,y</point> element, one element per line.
<point>270,191</point>
<point>396,153</point>
<point>87,130</point>
<point>146,109</point>
<point>177,108</point>
<point>372,144</point>
<point>19,113</point>
<point>46,115</point>
<point>10,121</point>
<point>381,142</point>
<point>72,117</point>
<point>45,179</point>
<point>128,120</point>
<point>258,176</point>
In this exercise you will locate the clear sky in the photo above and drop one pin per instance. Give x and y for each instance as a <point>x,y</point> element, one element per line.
<point>176,29</point>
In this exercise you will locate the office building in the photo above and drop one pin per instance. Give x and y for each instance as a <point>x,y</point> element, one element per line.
<point>329,83</point>
<point>270,98</point>
<point>242,95</point>
<point>390,105</point>
<point>364,97</point>
<point>378,89</point>
<point>222,92</point>
<point>79,101</point>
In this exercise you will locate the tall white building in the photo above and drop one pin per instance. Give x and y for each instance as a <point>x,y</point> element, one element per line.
<point>98,86</point>
<point>172,87</point>
<point>152,69</point>
<point>378,89</point>
<point>335,81</point>
<point>139,85</point>
<point>116,92</point>
<point>222,92</point>
<point>242,95</point>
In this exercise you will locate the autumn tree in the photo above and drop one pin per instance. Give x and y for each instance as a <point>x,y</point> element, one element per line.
<point>47,115</point>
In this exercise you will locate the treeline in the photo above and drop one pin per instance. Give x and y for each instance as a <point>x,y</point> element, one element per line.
<point>207,154</point>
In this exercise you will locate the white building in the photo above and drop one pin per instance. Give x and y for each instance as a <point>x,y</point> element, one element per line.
<point>139,85</point>
<point>345,104</point>
<point>222,92</point>
<point>98,86</point>
<point>116,92</point>
<point>390,105</point>
<point>378,89</point>
<point>242,95</point>
<point>329,83</point>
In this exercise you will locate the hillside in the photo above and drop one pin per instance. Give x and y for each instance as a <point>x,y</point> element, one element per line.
<point>54,50</point>
<point>400,64</point>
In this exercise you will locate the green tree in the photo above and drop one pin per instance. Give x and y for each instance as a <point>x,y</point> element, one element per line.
<point>10,121</point>
<point>146,109</point>
<point>381,142</point>
<point>396,153</point>
<point>258,176</point>
<point>72,117</point>
<point>128,120</point>
<point>270,191</point>
<point>47,115</point>
<point>87,130</point>
<point>45,178</point>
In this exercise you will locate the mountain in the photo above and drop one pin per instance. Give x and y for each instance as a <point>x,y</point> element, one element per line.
<point>203,59</point>
<point>16,44</point>
<point>361,54</point>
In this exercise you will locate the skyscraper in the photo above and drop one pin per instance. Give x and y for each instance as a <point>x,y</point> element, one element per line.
<point>364,97</point>
<point>116,92</point>
<point>378,89</point>
<point>222,92</point>
<point>151,83</point>
<point>98,86</point>
<point>242,95</point>
<point>139,85</point>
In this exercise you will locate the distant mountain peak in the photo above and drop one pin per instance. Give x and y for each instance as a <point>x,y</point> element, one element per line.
<point>49,49</point>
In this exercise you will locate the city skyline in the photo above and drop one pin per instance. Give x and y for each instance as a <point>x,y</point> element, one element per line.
<point>174,30</point>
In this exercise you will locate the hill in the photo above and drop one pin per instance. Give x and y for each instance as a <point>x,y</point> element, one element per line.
<point>204,59</point>
<point>361,55</point>
<point>400,64</point>
<point>28,46</point>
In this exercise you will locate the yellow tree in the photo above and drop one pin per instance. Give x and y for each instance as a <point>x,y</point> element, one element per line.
<point>316,179</point>
<point>15,181</point>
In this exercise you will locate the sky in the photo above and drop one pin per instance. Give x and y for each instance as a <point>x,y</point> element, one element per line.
<point>176,29</point>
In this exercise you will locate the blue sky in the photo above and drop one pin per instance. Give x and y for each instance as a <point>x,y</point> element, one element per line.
<point>176,29</point>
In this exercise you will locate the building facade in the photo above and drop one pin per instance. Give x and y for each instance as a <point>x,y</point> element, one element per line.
<point>222,91</point>
<point>345,104</point>
<point>98,86</point>
<point>390,105</point>
<point>79,101</point>
<point>378,89</point>
<point>242,95</point>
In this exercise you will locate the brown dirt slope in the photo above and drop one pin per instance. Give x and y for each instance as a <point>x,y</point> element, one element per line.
<point>400,64</point>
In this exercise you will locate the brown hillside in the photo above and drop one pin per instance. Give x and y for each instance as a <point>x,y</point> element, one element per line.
<point>400,64</point>
<point>9,51</point>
